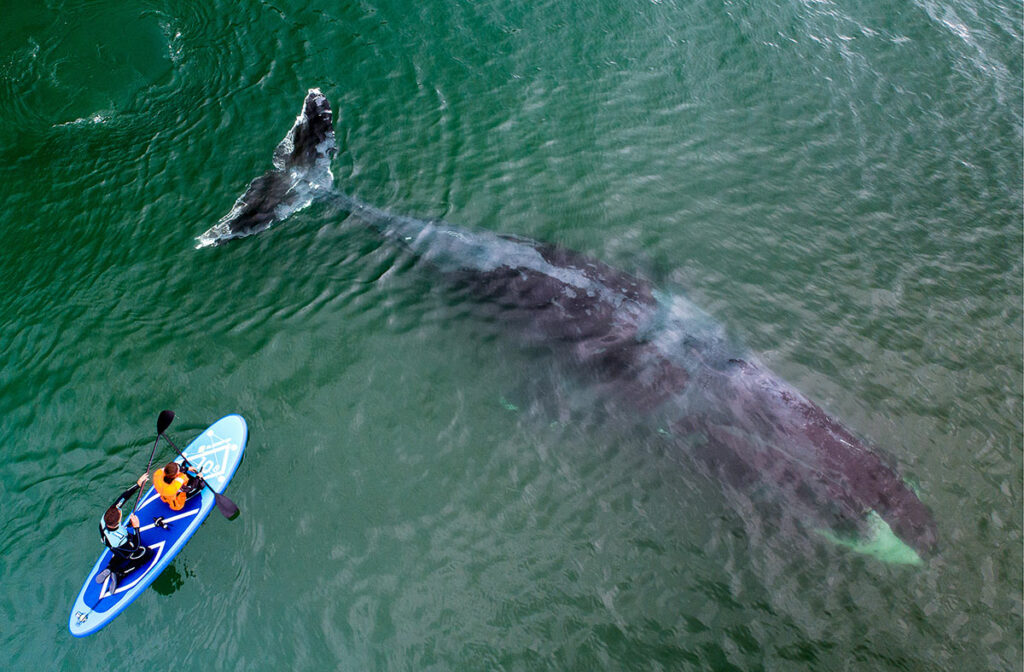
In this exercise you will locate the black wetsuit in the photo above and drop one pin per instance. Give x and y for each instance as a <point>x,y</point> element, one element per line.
<point>129,553</point>
<point>195,482</point>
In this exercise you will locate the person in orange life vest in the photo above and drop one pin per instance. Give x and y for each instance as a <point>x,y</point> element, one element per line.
<point>175,485</point>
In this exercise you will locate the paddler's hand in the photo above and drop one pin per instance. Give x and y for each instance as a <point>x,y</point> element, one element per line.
<point>142,479</point>
<point>133,520</point>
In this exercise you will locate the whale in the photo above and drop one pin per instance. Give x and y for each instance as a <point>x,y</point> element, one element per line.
<point>655,353</point>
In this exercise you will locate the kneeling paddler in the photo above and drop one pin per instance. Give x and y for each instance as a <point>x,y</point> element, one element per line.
<point>123,539</point>
<point>176,485</point>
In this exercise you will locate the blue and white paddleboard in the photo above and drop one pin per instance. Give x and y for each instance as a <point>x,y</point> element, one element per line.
<point>218,450</point>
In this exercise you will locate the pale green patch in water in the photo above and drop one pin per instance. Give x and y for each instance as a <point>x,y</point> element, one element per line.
<point>881,543</point>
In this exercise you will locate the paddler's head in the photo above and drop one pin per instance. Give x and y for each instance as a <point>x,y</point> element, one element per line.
<point>112,518</point>
<point>170,471</point>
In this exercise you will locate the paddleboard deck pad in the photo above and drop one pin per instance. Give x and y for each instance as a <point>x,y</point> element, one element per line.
<point>217,451</point>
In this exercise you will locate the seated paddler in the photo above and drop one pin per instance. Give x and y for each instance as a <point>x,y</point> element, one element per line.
<point>176,484</point>
<point>123,538</point>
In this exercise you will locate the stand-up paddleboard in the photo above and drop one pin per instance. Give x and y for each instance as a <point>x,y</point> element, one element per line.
<point>217,451</point>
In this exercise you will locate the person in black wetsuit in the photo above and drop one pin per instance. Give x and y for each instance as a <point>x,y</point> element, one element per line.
<point>122,538</point>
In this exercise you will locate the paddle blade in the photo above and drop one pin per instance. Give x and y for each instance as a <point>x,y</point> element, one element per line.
<point>164,421</point>
<point>225,505</point>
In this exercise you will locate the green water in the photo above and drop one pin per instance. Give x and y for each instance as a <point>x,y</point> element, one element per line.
<point>838,183</point>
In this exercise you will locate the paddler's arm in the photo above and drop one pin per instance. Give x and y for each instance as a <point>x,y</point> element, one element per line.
<point>131,491</point>
<point>192,473</point>
<point>134,534</point>
<point>125,496</point>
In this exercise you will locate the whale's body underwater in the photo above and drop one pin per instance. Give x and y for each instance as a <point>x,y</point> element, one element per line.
<point>658,354</point>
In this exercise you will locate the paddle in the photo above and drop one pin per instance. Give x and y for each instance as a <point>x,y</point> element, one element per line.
<point>163,421</point>
<point>224,505</point>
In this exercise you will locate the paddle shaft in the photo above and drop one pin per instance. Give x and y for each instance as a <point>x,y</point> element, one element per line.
<point>149,465</point>
<point>163,421</point>
<point>180,454</point>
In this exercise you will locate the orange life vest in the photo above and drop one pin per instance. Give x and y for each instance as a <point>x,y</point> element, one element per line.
<point>171,493</point>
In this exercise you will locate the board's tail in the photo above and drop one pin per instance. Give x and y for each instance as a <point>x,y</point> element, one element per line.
<point>302,170</point>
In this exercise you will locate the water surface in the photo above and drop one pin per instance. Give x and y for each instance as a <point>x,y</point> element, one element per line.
<point>839,184</point>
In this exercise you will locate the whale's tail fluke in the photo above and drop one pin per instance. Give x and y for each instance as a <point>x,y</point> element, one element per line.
<point>302,171</point>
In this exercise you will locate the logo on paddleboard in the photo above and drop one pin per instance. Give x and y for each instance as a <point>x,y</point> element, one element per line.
<point>215,458</point>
